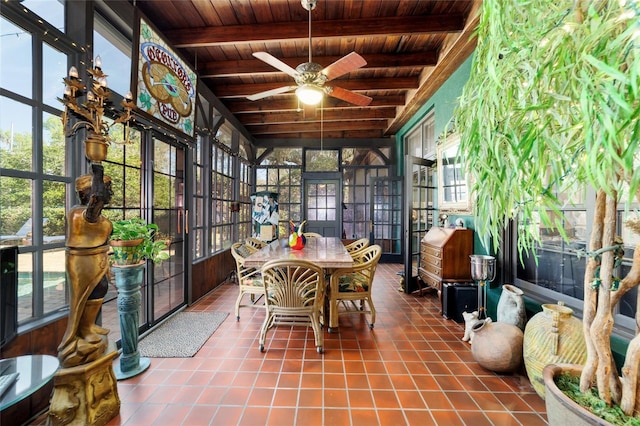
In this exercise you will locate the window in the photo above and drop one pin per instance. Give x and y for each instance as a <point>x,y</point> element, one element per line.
<point>321,160</point>
<point>115,51</point>
<point>200,198</point>
<point>35,176</point>
<point>221,199</point>
<point>453,194</point>
<point>559,272</point>
<point>358,168</point>
<point>244,204</point>
<point>281,172</point>
<point>421,141</point>
<point>51,11</point>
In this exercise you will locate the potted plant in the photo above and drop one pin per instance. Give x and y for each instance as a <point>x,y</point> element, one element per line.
<point>133,240</point>
<point>553,105</point>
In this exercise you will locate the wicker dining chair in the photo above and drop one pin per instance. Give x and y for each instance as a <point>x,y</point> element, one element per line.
<point>294,291</point>
<point>249,279</point>
<point>348,285</point>
<point>255,243</point>
<point>356,246</point>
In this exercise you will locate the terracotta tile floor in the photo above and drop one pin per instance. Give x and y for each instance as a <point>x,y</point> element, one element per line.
<point>411,369</point>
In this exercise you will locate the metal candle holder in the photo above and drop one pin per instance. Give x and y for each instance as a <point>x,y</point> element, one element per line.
<point>483,269</point>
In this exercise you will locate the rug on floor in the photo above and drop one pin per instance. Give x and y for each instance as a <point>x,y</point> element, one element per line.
<point>182,335</point>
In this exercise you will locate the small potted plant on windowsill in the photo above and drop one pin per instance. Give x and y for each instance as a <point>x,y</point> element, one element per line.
<point>133,240</point>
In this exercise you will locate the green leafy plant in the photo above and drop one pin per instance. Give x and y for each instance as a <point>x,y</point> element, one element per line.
<point>137,229</point>
<point>553,105</point>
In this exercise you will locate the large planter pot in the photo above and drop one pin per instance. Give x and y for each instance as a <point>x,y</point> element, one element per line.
<point>497,346</point>
<point>553,336</point>
<point>126,252</point>
<point>562,410</point>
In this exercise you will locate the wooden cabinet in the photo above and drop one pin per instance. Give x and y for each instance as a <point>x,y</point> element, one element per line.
<point>444,256</point>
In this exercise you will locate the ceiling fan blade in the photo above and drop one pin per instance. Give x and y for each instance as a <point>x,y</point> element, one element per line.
<point>344,65</point>
<point>271,92</point>
<point>348,96</point>
<point>276,63</point>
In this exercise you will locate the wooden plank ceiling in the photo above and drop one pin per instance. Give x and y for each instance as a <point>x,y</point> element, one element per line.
<point>410,46</point>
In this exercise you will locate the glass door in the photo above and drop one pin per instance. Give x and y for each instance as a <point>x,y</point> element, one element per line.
<point>420,193</point>
<point>169,213</point>
<point>322,199</point>
<point>386,217</point>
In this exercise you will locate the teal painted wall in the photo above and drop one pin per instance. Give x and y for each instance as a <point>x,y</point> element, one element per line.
<point>444,101</point>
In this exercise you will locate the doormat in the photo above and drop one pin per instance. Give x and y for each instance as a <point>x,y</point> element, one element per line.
<point>182,335</point>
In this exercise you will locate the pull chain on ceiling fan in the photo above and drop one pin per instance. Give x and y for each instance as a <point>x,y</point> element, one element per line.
<point>310,77</point>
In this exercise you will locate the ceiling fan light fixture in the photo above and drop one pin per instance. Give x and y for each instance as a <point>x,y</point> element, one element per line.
<point>309,94</point>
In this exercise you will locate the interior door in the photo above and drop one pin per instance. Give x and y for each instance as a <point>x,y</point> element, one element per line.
<point>169,212</point>
<point>323,203</point>
<point>386,217</point>
<point>420,193</point>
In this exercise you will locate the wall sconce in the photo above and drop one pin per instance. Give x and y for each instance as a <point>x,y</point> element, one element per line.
<point>91,112</point>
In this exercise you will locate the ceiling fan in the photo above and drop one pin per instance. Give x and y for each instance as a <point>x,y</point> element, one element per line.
<point>310,77</point>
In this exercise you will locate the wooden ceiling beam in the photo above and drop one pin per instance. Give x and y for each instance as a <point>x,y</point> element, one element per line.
<point>330,115</point>
<point>287,31</point>
<point>222,90</point>
<point>256,66</point>
<point>288,103</point>
<point>267,129</point>
<point>365,135</point>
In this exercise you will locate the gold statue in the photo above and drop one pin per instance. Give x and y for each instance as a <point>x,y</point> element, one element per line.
<point>87,264</point>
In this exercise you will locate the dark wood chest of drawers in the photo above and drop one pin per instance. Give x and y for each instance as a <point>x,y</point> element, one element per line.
<point>444,256</point>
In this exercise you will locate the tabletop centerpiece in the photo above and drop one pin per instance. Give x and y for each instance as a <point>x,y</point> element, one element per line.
<point>297,239</point>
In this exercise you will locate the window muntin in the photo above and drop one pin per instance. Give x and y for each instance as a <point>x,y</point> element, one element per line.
<point>222,184</point>
<point>198,232</point>
<point>35,178</point>
<point>559,272</point>
<point>421,141</point>
<point>244,190</point>
<point>124,166</point>
<point>321,204</point>
<point>356,192</point>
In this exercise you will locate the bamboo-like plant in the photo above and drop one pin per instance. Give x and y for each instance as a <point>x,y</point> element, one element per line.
<point>552,105</point>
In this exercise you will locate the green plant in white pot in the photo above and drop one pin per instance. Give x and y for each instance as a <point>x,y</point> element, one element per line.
<point>553,105</point>
<point>134,240</point>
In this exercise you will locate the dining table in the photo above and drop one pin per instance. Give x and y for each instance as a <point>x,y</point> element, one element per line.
<point>327,252</point>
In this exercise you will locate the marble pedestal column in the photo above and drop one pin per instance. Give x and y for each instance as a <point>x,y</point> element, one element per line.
<point>128,281</point>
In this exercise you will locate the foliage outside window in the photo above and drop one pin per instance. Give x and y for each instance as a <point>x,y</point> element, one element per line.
<point>199,226</point>
<point>34,175</point>
<point>221,198</point>
<point>244,190</point>
<point>356,190</point>
<point>321,160</point>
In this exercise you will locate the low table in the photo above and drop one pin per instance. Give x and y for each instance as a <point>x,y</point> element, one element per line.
<point>35,372</point>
